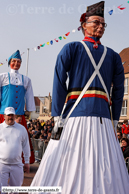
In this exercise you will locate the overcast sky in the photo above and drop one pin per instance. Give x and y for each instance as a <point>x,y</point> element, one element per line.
<point>29,23</point>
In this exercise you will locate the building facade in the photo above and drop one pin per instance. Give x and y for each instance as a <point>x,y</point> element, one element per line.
<point>45,106</point>
<point>124,54</point>
<point>35,114</point>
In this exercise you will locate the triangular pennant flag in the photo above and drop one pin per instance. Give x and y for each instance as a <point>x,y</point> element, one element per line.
<point>47,43</point>
<point>119,6</point>
<point>111,12</point>
<point>122,8</point>
<point>35,49</point>
<point>60,37</point>
<point>43,45</point>
<point>56,40</point>
<point>38,47</point>
<point>79,28</point>
<point>51,42</point>
<point>64,37</point>
<point>67,34</point>
<point>73,30</point>
<point>1,64</point>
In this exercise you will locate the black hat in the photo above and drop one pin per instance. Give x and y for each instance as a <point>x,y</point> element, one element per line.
<point>96,9</point>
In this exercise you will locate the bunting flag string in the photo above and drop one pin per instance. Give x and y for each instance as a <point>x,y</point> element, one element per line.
<point>63,36</point>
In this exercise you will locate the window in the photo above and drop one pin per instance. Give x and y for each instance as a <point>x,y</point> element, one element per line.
<point>37,109</point>
<point>124,108</point>
<point>126,86</point>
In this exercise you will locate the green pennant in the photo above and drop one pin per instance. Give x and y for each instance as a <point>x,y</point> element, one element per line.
<point>43,45</point>
<point>60,37</point>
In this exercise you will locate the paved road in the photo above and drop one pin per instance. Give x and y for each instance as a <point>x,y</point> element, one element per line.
<point>28,177</point>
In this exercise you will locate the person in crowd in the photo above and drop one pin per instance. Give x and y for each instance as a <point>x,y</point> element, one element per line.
<point>33,133</point>
<point>80,161</point>
<point>37,133</point>
<point>42,123</point>
<point>48,138</point>
<point>42,132</point>
<point>124,135</point>
<point>13,140</point>
<point>39,126</point>
<point>45,127</point>
<point>18,119</point>
<point>125,127</point>
<point>119,136</point>
<point>44,136</point>
<point>125,147</point>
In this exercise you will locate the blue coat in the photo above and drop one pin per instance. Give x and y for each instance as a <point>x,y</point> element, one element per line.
<point>73,63</point>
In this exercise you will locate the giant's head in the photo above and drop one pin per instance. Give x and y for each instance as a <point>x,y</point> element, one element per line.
<point>15,60</point>
<point>92,22</point>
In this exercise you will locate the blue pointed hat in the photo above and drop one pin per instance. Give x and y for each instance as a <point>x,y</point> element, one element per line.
<point>15,55</point>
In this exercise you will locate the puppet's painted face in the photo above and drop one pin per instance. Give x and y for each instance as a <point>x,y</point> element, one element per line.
<point>15,64</point>
<point>94,26</point>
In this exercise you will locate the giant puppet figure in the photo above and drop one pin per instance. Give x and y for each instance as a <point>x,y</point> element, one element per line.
<point>87,158</point>
<point>15,91</point>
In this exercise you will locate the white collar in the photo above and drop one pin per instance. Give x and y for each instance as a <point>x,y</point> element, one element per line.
<point>5,125</point>
<point>14,71</point>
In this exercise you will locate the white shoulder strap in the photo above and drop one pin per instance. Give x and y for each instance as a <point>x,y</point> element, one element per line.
<point>96,72</point>
<point>97,67</point>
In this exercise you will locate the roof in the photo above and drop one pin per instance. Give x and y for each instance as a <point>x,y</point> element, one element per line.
<point>124,54</point>
<point>37,101</point>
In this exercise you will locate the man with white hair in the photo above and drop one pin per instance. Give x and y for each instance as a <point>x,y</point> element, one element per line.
<point>13,140</point>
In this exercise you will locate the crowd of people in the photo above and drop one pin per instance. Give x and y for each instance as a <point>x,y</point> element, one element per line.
<point>123,138</point>
<point>39,129</point>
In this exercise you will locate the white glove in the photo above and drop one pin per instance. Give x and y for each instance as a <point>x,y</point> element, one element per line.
<point>58,123</point>
<point>115,122</point>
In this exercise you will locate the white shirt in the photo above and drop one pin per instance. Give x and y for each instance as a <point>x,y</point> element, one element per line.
<point>13,140</point>
<point>16,79</point>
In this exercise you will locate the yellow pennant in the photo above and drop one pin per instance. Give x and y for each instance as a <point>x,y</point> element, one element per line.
<point>64,37</point>
<point>48,43</point>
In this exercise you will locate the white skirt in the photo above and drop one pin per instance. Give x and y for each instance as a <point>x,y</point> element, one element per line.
<point>86,160</point>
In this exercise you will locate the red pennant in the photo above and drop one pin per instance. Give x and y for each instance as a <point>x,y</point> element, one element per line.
<point>67,34</point>
<point>122,8</point>
<point>56,40</point>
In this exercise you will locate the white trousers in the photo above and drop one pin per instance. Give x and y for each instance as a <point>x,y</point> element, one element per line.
<point>13,173</point>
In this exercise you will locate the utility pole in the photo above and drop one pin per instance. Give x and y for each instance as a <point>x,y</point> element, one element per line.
<point>27,62</point>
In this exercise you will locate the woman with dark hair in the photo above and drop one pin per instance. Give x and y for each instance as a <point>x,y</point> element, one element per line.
<point>125,147</point>
<point>88,158</point>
